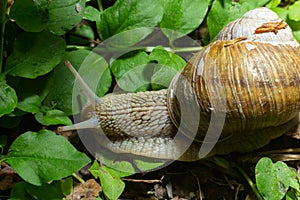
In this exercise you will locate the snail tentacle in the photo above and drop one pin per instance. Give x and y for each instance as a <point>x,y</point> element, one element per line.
<point>90,123</point>
<point>91,96</point>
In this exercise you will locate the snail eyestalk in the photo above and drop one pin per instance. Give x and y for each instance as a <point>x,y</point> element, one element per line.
<point>92,98</point>
<point>90,123</point>
<point>90,95</point>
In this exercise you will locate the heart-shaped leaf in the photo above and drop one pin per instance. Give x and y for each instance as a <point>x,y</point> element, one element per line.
<point>35,54</point>
<point>39,157</point>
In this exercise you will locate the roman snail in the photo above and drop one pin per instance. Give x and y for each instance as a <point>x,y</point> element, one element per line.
<point>237,94</point>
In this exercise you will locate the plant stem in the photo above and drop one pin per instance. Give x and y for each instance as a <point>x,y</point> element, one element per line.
<point>70,47</point>
<point>78,178</point>
<point>3,22</point>
<point>174,50</point>
<point>147,49</point>
<point>100,5</point>
<point>250,182</point>
<point>188,49</point>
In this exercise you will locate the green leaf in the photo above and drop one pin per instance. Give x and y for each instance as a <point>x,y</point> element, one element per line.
<point>66,185</point>
<point>53,191</point>
<point>118,169</point>
<point>121,42</point>
<point>266,180</point>
<point>273,4</point>
<point>297,35</point>
<point>29,15</point>
<point>133,71</point>
<point>95,71</point>
<point>111,183</point>
<point>274,180</point>
<point>60,95</point>
<point>30,103</point>
<point>144,165</point>
<point>35,54</point>
<point>84,31</point>
<point>94,169</point>
<point>130,15</point>
<point>91,13</point>
<point>169,66</point>
<point>39,157</point>
<point>286,176</point>
<point>294,13</point>
<point>8,100</point>
<point>53,117</point>
<point>19,192</point>
<point>92,68</point>
<point>58,17</point>
<point>64,15</point>
<point>281,12</point>
<point>44,192</point>
<point>127,166</point>
<point>225,11</point>
<point>182,17</point>
<point>254,4</point>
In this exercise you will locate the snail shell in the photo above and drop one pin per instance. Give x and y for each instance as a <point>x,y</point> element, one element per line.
<point>252,78</point>
<point>247,81</point>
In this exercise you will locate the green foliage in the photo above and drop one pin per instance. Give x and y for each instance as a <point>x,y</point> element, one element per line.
<point>52,117</point>
<point>110,179</point>
<point>290,14</point>
<point>55,190</point>
<point>93,69</point>
<point>37,36</point>
<point>275,180</point>
<point>35,54</point>
<point>55,16</point>
<point>29,16</point>
<point>294,13</point>
<point>39,157</point>
<point>226,11</point>
<point>136,70</point>
<point>111,172</point>
<point>30,103</point>
<point>169,64</point>
<point>91,14</point>
<point>8,99</point>
<point>130,15</point>
<point>64,15</point>
<point>182,17</point>
<point>129,69</point>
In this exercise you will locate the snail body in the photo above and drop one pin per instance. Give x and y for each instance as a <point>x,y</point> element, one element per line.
<point>247,81</point>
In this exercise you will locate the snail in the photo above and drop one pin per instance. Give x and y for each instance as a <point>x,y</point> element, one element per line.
<point>243,89</point>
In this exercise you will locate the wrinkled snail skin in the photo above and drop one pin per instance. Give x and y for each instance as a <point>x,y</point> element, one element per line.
<point>249,76</point>
<point>139,124</point>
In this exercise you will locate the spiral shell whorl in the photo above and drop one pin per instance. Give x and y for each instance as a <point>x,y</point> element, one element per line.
<point>250,21</point>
